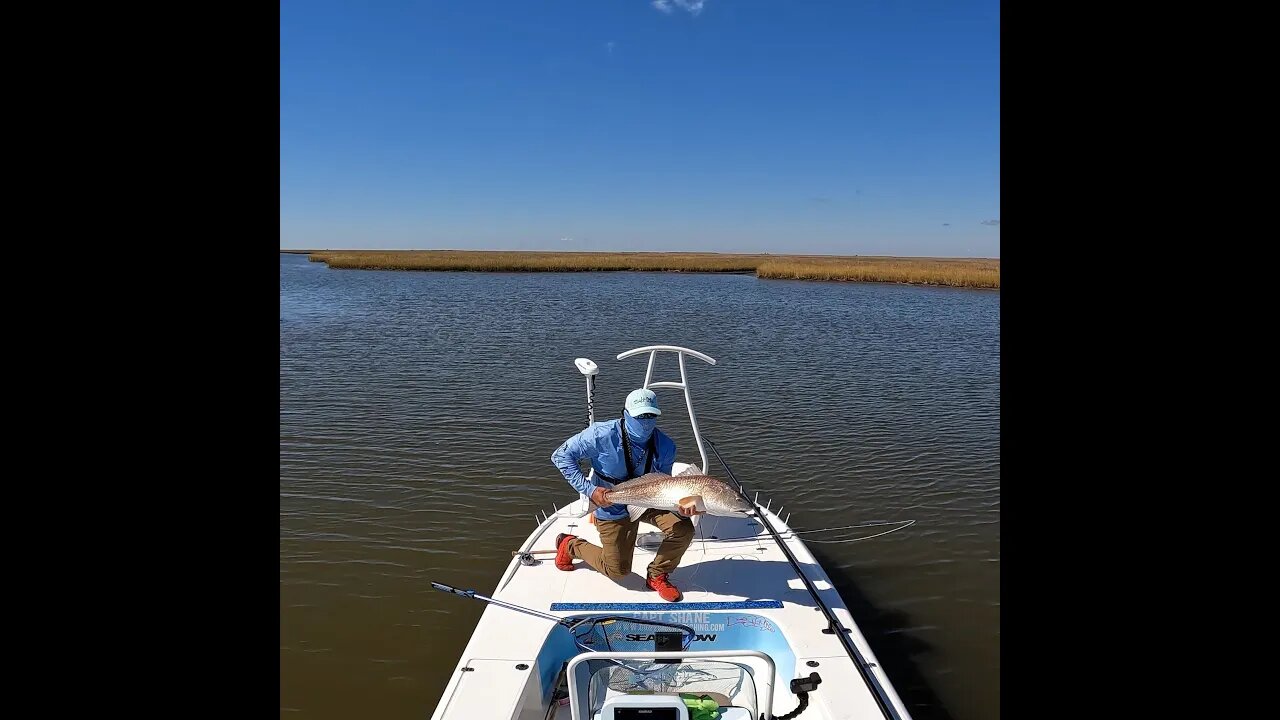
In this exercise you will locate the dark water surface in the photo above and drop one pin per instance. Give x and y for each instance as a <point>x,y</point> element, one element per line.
<point>418,412</point>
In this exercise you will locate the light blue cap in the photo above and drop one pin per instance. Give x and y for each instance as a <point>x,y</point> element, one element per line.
<point>642,401</point>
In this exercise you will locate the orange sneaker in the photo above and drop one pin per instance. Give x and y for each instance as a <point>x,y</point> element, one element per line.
<point>666,590</point>
<point>564,560</point>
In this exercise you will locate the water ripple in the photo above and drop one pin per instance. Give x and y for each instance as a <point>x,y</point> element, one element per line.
<point>414,403</point>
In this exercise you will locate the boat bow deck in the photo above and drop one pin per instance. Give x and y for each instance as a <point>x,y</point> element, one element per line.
<point>733,577</point>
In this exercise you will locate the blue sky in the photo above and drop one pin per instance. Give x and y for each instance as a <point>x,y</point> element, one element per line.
<point>867,127</point>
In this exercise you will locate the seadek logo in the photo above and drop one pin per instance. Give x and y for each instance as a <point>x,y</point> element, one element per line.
<point>639,637</point>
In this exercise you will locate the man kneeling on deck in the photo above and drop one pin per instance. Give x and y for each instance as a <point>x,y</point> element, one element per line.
<point>621,450</point>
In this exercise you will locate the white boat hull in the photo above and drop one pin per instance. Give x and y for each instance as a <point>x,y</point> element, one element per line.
<point>738,594</point>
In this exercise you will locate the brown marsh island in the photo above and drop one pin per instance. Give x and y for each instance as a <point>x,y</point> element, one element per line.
<point>955,272</point>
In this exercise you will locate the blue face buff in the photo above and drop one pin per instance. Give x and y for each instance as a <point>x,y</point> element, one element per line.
<point>640,429</point>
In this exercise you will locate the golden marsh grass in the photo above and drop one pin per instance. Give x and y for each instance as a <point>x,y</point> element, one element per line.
<point>959,272</point>
<point>955,272</point>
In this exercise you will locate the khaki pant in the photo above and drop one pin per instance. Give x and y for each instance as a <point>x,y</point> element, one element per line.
<point>619,538</point>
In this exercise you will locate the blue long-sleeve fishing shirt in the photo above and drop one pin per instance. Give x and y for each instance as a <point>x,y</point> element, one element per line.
<point>601,443</point>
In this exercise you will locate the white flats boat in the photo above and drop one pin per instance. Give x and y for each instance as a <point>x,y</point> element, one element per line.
<point>760,633</point>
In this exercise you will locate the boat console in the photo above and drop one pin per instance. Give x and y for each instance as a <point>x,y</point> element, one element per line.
<point>670,685</point>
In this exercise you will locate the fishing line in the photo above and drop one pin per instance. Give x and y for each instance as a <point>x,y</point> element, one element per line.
<point>906,524</point>
<point>526,557</point>
<point>900,523</point>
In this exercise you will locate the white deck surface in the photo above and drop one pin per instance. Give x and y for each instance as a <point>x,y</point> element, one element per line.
<point>714,569</point>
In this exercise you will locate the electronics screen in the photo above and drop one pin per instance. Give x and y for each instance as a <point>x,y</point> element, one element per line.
<point>645,714</point>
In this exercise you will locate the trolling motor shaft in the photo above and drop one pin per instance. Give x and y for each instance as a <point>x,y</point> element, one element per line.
<point>590,370</point>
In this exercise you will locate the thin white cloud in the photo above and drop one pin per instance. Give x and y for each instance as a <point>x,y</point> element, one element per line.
<point>693,7</point>
<point>609,45</point>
